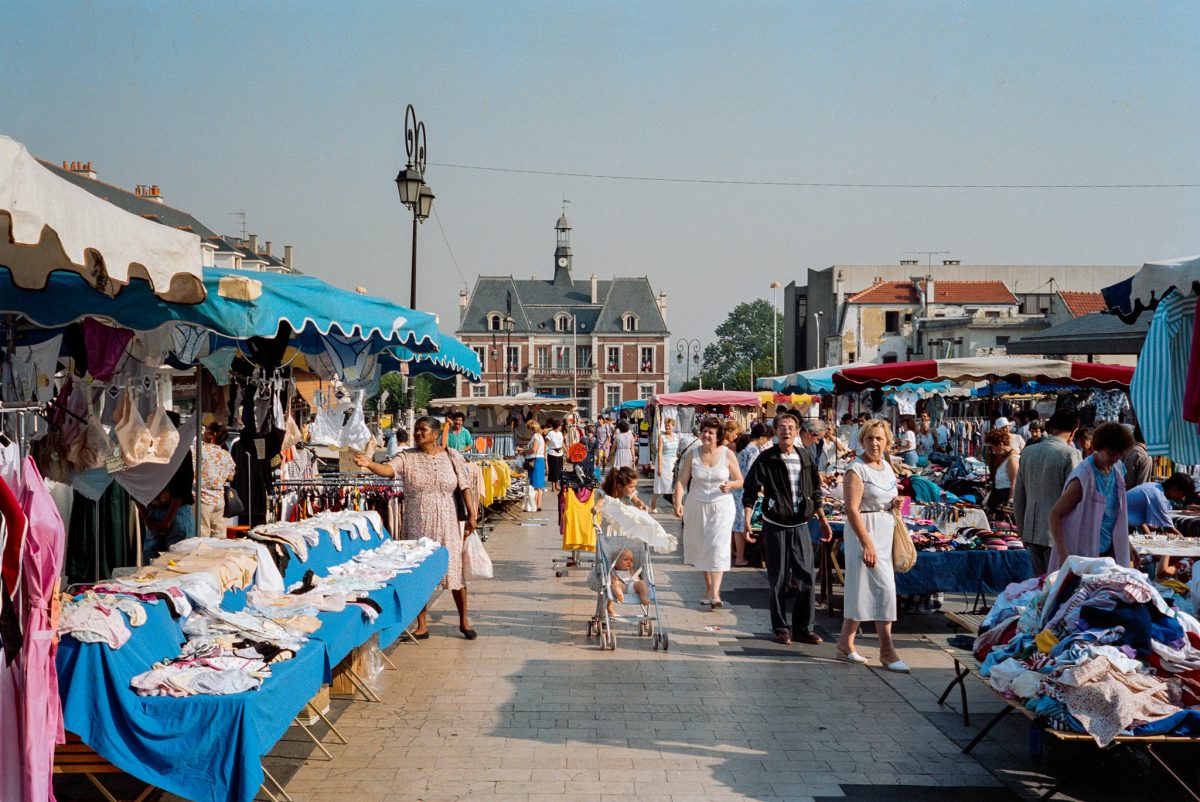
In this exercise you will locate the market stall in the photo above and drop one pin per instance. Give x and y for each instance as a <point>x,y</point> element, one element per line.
<point>142,718</point>
<point>501,419</point>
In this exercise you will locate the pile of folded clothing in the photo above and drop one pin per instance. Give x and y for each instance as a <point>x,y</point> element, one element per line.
<point>1094,647</point>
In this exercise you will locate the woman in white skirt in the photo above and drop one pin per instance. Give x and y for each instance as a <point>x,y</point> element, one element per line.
<point>870,592</point>
<point>664,465</point>
<point>708,475</point>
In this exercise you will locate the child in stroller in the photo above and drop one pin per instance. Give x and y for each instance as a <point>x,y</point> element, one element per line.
<point>626,580</point>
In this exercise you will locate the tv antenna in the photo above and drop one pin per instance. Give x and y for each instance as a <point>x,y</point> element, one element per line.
<point>927,254</point>
<point>242,214</point>
<point>565,202</point>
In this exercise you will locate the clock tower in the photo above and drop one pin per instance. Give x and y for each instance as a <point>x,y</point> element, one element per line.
<point>562,253</point>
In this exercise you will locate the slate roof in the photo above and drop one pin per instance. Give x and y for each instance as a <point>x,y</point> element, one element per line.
<point>944,292</point>
<point>1083,303</point>
<point>131,202</point>
<point>1093,333</point>
<point>535,302</point>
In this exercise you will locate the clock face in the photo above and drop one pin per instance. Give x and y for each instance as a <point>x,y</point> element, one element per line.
<point>562,261</point>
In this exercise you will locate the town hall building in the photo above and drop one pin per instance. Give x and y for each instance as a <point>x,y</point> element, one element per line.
<point>601,341</point>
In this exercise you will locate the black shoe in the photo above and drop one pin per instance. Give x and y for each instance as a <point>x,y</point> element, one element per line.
<point>469,634</point>
<point>416,636</point>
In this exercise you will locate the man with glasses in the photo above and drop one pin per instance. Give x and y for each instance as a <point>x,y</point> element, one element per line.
<point>787,476</point>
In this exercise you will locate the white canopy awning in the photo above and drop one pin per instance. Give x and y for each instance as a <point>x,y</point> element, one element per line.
<point>48,224</point>
<point>523,400</point>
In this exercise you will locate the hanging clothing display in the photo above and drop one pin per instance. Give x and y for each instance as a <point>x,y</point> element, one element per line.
<point>41,710</point>
<point>28,372</point>
<point>1160,381</point>
<point>578,531</point>
<point>105,346</point>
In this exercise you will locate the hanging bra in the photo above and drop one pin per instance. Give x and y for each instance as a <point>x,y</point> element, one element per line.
<point>354,434</point>
<point>133,437</point>
<point>92,447</point>
<point>165,436</point>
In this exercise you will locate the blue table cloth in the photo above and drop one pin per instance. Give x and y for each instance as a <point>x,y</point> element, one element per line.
<point>965,572</point>
<point>210,748</point>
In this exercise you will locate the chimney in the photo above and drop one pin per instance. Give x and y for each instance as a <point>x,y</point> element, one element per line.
<point>253,243</point>
<point>267,247</point>
<point>287,256</point>
<point>908,261</point>
<point>80,168</point>
<point>147,192</point>
<point>951,261</point>
<point>930,296</point>
<point>463,302</point>
<point>662,305</point>
<point>595,290</point>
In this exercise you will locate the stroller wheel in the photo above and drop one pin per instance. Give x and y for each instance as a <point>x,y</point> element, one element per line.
<point>657,642</point>
<point>609,639</point>
<point>665,643</point>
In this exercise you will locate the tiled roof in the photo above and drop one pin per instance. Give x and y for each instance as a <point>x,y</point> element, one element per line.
<point>1082,303</point>
<point>944,292</point>
<point>132,202</point>
<point>536,302</point>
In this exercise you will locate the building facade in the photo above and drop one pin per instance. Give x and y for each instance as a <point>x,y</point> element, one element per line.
<point>599,341</point>
<point>891,313</point>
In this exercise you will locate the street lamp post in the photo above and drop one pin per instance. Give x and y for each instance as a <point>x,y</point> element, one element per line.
<point>508,365</point>
<point>819,348</point>
<point>417,196</point>
<point>775,285</point>
<point>688,351</point>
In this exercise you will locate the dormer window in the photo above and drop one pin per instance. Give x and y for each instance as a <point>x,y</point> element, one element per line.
<point>562,322</point>
<point>629,322</point>
<point>495,321</point>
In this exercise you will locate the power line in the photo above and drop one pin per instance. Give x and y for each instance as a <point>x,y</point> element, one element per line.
<point>448,248</point>
<point>803,184</point>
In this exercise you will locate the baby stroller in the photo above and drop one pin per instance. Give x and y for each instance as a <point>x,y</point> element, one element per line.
<point>609,548</point>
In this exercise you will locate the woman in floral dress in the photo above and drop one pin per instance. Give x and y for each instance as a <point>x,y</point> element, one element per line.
<point>431,474</point>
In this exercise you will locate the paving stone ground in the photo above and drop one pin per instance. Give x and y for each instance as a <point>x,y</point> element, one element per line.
<point>533,710</point>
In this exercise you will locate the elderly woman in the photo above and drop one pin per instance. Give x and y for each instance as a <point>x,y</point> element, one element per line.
<point>1090,518</point>
<point>431,474</point>
<point>664,467</point>
<point>707,477</point>
<point>1003,461</point>
<point>870,590</point>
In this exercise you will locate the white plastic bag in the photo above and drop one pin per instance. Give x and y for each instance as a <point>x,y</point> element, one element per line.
<point>476,562</point>
<point>372,657</point>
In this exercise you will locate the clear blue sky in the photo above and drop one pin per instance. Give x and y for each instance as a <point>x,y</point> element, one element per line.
<point>294,112</point>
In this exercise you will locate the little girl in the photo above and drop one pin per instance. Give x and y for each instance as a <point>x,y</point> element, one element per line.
<point>621,484</point>
<point>625,579</point>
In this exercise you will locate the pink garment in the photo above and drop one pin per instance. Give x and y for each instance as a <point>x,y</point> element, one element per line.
<point>105,347</point>
<point>12,538</point>
<point>1191,387</point>
<point>37,676</point>
<point>1081,526</point>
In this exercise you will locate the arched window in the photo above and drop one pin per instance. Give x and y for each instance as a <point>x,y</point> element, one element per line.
<point>494,321</point>
<point>629,322</point>
<point>562,322</point>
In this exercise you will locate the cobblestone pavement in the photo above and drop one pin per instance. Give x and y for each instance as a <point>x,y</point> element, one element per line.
<point>534,710</point>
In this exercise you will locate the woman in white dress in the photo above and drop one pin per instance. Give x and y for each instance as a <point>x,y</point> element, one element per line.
<point>707,477</point>
<point>664,466</point>
<point>870,590</point>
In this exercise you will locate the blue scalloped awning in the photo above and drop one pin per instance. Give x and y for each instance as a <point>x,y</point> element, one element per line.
<point>312,307</point>
<point>1143,290</point>
<point>452,358</point>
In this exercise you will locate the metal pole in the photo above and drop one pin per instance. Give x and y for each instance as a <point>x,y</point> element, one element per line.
<point>575,369</point>
<point>774,329</point>
<point>199,438</point>
<point>412,294</point>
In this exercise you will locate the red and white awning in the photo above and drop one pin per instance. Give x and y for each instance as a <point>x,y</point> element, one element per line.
<point>1086,374</point>
<point>48,224</point>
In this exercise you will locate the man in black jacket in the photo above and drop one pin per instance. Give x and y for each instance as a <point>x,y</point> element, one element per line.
<point>787,476</point>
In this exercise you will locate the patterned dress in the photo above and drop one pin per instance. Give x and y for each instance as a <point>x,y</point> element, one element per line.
<point>429,483</point>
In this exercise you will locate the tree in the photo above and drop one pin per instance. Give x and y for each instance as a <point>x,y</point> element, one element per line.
<point>425,387</point>
<point>746,338</point>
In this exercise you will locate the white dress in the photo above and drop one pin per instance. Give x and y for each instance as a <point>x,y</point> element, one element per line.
<point>708,515</point>
<point>664,480</point>
<point>870,593</point>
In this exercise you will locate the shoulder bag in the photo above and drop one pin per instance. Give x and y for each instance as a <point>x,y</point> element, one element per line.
<point>460,500</point>
<point>904,553</point>
<point>233,503</point>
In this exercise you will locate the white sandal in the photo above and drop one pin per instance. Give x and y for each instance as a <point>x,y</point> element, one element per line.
<point>851,657</point>
<point>899,666</point>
